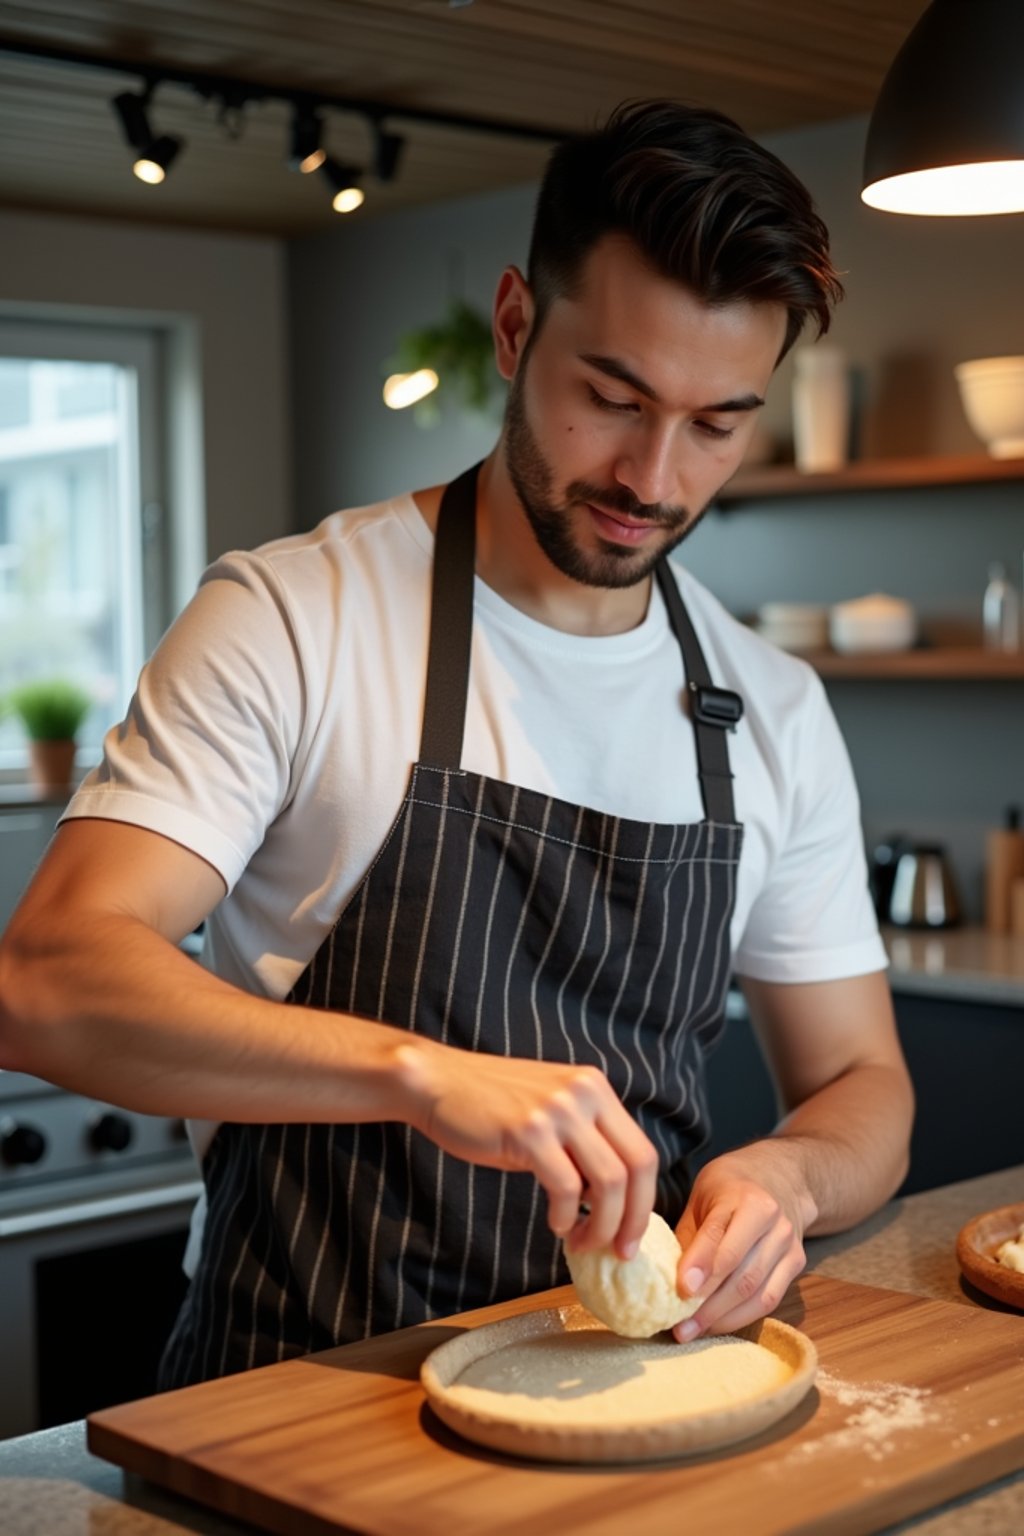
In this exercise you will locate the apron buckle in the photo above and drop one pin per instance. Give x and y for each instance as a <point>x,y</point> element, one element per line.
<point>715,706</point>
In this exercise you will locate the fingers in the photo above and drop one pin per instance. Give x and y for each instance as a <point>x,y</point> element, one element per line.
<point>618,1167</point>
<point>605,1178</point>
<point>765,1298</point>
<point>561,1181</point>
<point>741,1258</point>
<point>641,1160</point>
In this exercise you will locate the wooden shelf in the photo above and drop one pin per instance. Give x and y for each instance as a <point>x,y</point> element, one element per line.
<point>779,480</point>
<point>924,664</point>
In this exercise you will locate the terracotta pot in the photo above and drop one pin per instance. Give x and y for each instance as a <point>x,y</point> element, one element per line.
<point>51,764</point>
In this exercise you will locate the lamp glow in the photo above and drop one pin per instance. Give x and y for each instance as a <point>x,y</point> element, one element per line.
<point>403,389</point>
<point>995,186</point>
<point>149,172</point>
<point>348,199</point>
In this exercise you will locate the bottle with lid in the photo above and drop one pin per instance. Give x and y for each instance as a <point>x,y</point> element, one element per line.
<point>821,407</point>
<point>1000,611</point>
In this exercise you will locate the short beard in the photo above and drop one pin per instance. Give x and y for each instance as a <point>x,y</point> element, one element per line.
<point>533,481</point>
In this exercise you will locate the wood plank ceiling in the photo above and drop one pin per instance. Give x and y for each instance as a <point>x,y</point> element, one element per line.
<point>558,64</point>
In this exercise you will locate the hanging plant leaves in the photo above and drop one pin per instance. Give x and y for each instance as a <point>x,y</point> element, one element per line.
<point>460,350</point>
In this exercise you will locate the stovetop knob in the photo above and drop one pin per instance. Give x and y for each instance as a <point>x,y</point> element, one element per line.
<point>21,1145</point>
<point>111,1133</point>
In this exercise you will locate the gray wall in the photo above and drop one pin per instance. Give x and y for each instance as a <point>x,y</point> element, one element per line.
<point>354,291</point>
<point>937,760</point>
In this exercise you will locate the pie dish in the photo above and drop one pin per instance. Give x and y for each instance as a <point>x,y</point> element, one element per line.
<point>585,1352</point>
<point>976,1245</point>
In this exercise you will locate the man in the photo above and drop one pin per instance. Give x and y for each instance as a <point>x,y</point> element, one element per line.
<point>477,856</point>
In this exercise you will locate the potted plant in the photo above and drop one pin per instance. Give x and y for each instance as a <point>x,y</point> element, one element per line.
<point>460,350</point>
<point>51,711</point>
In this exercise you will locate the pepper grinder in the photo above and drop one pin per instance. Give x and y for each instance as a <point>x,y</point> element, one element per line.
<point>1004,863</point>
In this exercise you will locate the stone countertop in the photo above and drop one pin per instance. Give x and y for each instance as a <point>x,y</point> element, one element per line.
<point>51,1486</point>
<point>968,964</point>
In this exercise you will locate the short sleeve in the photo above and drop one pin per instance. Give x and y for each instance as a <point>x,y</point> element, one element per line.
<point>813,919</point>
<point>204,755</point>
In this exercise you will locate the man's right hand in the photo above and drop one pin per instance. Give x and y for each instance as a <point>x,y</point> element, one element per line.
<point>96,995</point>
<point>562,1123</point>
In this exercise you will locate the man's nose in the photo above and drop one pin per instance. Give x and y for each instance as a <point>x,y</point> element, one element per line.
<point>650,468</point>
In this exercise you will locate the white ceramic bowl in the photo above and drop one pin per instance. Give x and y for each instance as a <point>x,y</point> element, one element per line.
<point>794,626</point>
<point>992,394</point>
<point>873,623</point>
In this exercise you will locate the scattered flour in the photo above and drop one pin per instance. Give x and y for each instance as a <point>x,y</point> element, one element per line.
<point>882,1410</point>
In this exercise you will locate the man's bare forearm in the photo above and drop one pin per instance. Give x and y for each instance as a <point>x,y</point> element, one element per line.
<point>117,1012</point>
<point>846,1147</point>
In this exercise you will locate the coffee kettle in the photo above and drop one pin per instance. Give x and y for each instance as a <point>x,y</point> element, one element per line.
<point>923,892</point>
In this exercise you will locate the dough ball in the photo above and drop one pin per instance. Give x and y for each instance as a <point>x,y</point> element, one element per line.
<point>635,1297</point>
<point>1011,1253</point>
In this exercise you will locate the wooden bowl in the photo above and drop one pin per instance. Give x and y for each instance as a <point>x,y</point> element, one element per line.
<point>976,1245</point>
<point>676,1433</point>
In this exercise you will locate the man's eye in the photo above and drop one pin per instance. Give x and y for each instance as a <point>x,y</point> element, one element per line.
<point>609,405</point>
<point>720,434</point>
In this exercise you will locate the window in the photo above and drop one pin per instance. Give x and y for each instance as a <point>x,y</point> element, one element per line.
<point>83,557</point>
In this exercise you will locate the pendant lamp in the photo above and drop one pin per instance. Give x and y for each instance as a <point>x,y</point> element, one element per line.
<point>947,132</point>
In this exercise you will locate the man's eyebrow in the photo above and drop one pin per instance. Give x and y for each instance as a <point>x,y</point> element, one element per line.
<point>618,370</point>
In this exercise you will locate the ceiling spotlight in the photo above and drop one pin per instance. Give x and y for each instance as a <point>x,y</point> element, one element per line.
<point>153,154</point>
<point>344,180</point>
<point>154,163</point>
<point>387,152</point>
<point>306,152</point>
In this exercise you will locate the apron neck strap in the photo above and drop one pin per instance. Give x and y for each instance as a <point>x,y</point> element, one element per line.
<point>451,635</point>
<point>451,624</point>
<point>712,710</point>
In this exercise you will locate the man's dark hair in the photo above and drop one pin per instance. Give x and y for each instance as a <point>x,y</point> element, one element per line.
<point>706,205</point>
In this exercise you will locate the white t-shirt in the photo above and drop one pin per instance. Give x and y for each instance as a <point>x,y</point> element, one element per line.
<point>275,727</point>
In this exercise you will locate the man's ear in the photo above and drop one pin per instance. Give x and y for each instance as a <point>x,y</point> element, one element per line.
<point>512,320</point>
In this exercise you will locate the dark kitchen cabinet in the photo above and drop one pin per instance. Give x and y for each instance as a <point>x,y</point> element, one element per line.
<point>966,1060</point>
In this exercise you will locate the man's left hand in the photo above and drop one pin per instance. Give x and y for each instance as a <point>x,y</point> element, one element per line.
<point>742,1236</point>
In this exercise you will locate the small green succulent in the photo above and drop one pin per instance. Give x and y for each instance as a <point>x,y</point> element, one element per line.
<point>50,709</point>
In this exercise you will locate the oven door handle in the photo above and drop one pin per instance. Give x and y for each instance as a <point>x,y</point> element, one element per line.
<point>80,1212</point>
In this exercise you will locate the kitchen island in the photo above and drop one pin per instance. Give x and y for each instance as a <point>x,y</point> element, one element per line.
<point>51,1486</point>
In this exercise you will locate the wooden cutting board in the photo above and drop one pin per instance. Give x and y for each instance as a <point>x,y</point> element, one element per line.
<point>917,1401</point>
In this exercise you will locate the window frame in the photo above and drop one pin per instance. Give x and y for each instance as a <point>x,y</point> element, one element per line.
<point>151,544</point>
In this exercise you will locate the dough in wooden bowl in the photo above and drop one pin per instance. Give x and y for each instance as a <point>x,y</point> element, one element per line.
<point>636,1297</point>
<point>1011,1253</point>
<point>985,1251</point>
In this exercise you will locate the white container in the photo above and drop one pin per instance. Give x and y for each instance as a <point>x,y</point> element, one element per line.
<point>821,408</point>
<point>992,395</point>
<point>794,626</point>
<point>873,623</point>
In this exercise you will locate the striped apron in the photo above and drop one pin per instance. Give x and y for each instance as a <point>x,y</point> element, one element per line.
<point>496,919</point>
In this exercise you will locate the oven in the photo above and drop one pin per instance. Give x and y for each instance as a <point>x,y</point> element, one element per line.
<point>94,1210</point>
